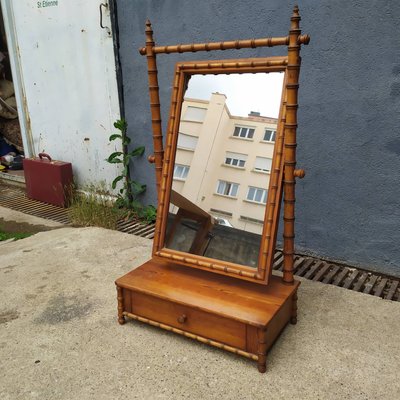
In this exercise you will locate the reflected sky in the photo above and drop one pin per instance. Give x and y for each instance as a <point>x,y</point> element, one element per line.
<point>245,92</point>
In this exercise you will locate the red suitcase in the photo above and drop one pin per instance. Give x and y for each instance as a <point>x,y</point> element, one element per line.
<point>48,180</point>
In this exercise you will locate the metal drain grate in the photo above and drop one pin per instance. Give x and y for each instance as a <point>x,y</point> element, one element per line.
<point>305,266</point>
<point>15,198</point>
<point>343,276</point>
<point>136,227</point>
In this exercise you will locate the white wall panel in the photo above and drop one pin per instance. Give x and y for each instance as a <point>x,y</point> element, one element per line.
<point>67,73</point>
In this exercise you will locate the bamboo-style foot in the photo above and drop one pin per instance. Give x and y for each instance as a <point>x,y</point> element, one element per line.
<point>262,365</point>
<point>262,351</point>
<point>121,318</point>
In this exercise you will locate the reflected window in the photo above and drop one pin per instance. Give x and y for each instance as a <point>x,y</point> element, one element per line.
<point>253,220</point>
<point>235,159</point>
<point>263,164</point>
<point>227,188</point>
<point>243,132</point>
<point>196,114</point>
<point>257,195</point>
<point>181,171</point>
<point>187,142</point>
<point>269,135</point>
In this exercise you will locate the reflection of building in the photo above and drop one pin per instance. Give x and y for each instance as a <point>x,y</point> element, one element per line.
<point>223,162</point>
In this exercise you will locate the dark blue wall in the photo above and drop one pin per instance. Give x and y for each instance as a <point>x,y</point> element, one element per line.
<point>349,116</point>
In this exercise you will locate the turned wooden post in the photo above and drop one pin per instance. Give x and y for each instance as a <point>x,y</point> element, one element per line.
<point>290,144</point>
<point>121,318</point>
<point>154,104</point>
<point>262,350</point>
<point>158,157</point>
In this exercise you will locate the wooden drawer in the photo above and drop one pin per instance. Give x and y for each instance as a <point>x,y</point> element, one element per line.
<point>210,326</point>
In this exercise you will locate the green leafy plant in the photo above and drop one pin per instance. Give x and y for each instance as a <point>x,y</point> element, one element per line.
<point>148,213</point>
<point>128,196</point>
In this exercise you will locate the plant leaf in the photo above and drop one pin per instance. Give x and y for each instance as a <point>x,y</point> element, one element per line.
<point>113,156</point>
<point>137,152</point>
<point>138,188</point>
<point>115,136</point>
<point>121,125</point>
<point>150,213</point>
<point>115,161</point>
<point>151,209</point>
<point>116,180</point>
<point>126,140</point>
<point>136,206</point>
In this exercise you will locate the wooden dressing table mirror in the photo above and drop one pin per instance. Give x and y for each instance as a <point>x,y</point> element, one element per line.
<point>229,157</point>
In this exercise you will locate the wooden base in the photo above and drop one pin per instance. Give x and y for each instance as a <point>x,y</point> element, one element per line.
<point>238,316</point>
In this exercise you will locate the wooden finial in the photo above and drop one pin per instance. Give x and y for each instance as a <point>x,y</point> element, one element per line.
<point>149,32</point>
<point>149,37</point>
<point>295,18</point>
<point>148,26</point>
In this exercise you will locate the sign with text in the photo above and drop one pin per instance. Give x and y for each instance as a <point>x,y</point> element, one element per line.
<point>47,3</point>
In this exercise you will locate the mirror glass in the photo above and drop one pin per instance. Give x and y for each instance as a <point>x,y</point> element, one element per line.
<point>222,167</point>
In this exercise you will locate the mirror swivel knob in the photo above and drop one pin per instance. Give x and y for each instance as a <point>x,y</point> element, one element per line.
<point>299,173</point>
<point>151,159</point>
<point>304,39</point>
<point>182,319</point>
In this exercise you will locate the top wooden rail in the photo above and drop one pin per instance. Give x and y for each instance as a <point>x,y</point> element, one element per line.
<point>234,44</point>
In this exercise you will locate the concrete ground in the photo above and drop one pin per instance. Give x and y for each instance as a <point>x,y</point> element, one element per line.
<point>14,221</point>
<point>59,336</point>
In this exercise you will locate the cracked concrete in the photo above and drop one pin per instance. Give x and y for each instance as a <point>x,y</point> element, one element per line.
<point>59,337</point>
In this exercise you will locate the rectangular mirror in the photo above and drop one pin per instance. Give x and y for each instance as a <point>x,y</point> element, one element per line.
<point>223,166</point>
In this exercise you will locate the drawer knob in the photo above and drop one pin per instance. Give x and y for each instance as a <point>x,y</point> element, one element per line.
<point>182,319</point>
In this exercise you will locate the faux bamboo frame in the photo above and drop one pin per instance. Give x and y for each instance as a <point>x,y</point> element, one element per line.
<point>284,159</point>
<point>183,72</point>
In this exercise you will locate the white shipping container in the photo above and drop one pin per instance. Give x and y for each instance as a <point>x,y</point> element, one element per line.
<point>64,74</point>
